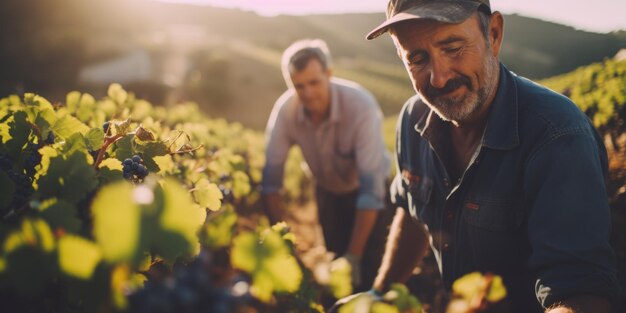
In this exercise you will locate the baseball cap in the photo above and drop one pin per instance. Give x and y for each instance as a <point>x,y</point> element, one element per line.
<point>447,11</point>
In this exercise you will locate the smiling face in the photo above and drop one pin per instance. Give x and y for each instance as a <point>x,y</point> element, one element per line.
<point>452,66</point>
<point>312,84</point>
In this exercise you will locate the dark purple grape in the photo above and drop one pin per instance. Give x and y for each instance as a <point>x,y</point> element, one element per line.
<point>137,159</point>
<point>128,162</point>
<point>105,127</point>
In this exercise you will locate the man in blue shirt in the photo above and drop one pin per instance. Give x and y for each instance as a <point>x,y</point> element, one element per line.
<point>496,173</point>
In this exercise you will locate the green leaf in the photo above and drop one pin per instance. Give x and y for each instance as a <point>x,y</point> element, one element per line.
<point>44,121</point>
<point>70,179</point>
<point>241,184</point>
<point>75,144</point>
<point>360,303</point>
<point>86,108</point>
<point>218,231</point>
<point>180,214</point>
<point>61,215</point>
<point>117,222</point>
<point>67,125</point>
<point>340,282</point>
<point>71,101</point>
<point>36,100</point>
<point>78,257</point>
<point>469,286</point>
<point>380,307</point>
<point>19,130</point>
<point>497,290</point>
<point>117,93</point>
<point>269,262</point>
<point>400,296</point>
<point>149,150</point>
<point>95,138</point>
<point>208,195</point>
<point>124,147</point>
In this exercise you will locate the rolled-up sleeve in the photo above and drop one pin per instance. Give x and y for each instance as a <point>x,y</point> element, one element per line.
<point>276,148</point>
<point>372,160</point>
<point>569,219</point>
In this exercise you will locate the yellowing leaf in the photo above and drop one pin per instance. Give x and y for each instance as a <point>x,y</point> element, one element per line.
<point>180,214</point>
<point>269,262</point>
<point>469,286</point>
<point>67,125</point>
<point>117,93</point>
<point>112,164</point>
<point>208,195</point>
<point>165,164</point>
<point>380,307</point>
<point>78,257</point>
<point>497,291</point>
<point>116,222</point>
<point>241,184</point>
<point>340,282</point>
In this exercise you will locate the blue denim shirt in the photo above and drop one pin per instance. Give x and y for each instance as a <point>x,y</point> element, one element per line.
<point>531,206</point>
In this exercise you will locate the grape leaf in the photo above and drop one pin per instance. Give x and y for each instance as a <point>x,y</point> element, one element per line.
<point>116,222</point>
<point>218,231</point>
<point>70,179</point>
<point>241,184</point>
<point>67,125</point>
<point>78,257</point>
<point>94,138</point>
<point>61,214</point>
<point>19,131</point>
<point>117,93</point>
<point>208,195</point>
<point>180,214</point>
<point>71,101</point>
<point>269,262</point>
<point>340,282</point>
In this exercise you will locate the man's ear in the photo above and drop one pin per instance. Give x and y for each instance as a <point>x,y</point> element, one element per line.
<point>329,72</point>
<point>496,32</point>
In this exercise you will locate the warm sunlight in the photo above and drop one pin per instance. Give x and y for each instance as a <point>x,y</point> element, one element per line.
<point>603,16</point>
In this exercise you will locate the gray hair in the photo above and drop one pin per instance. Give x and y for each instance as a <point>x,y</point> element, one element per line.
<point>297,56</point>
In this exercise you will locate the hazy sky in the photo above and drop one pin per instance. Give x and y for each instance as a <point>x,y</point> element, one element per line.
<point>598,15</point>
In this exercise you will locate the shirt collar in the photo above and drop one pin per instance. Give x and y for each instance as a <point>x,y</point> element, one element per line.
<point>335,114</point>
<point>502,123</point>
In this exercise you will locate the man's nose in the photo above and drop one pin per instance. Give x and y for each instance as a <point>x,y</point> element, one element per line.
<point>440,73</point>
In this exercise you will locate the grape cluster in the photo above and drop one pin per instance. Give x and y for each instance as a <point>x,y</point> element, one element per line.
<point>190,289</point>
<point>134,168</point>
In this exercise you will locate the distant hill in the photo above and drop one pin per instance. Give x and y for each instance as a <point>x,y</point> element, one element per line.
<point>228,60</point>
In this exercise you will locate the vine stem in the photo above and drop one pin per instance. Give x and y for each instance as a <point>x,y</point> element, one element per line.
<point>187,150</point>
<point>107,142</point>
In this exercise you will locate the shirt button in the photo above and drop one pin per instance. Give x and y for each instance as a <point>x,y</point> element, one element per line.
<point>446,247</point>
<point>446,182</point>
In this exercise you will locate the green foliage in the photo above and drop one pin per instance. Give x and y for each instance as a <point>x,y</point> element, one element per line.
<point>269,261</point>
<point>599,90</point>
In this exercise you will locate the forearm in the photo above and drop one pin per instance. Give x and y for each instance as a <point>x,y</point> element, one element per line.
<point>407,244</point>
<point>581,304</point>
<point>364,222</point>
<point>273,207</point>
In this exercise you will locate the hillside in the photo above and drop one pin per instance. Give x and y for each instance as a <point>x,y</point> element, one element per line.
<point>227,60</point>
